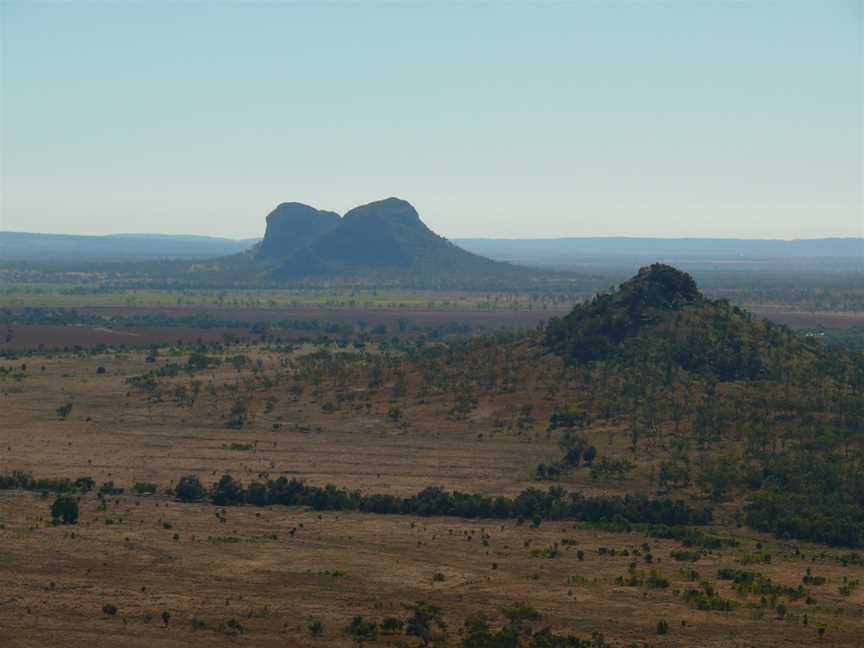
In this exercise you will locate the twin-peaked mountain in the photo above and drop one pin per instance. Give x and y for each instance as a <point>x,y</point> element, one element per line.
<point>384,240</point>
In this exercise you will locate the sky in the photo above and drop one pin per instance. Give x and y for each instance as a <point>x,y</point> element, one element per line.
<point>505,119</point>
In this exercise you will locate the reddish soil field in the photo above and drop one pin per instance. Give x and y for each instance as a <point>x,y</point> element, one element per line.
<point>388,316</point>
<point>20,337</point>
<point>798,320</point>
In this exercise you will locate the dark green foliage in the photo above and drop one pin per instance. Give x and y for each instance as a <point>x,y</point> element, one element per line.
<point>707,598</point>
<point>108,488</point>
<point>231,627</point>
<point>315,628</point>
<point>84,484</point>
<point>64,410</point>
<point>518,631</point>
<point>548,472</point>
<point>423,621</point>
<point>554,504</point>
<point>361,631</point>
<point>810,495</point>
<point>660,315</point>
<point>189,489</point>
<point>228,492</point>
<point>64,510</point>
<point>749,582</point>
<point>566,419</point>
<point>718,475</point>
<point>636,578</point>
<point>596,330</point>
<point>25,481</point>
<point>392,625</point>
<point>144,488</point>
<point>198,361</point>
<point>692,537</point>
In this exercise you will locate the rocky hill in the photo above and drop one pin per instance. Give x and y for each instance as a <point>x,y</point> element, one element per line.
<point>660,315</point>
<point>292,226</point>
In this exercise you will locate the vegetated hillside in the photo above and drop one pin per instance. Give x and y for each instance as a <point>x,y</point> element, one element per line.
<point>773,417</point>
<point>292,226</point>
<point>652,388</point>
<point>386,241</point>
<point>661,315</point>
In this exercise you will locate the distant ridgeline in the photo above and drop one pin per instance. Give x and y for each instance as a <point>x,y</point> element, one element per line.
<point>382,244</point>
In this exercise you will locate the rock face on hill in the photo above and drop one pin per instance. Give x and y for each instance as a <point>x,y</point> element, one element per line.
<point>292,226</point>
<point>659,317</point>
<point>382,241</point>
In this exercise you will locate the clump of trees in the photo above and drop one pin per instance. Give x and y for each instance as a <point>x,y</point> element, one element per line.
<point>519,629</point>
<point>189,489</point>
<point>64,510</point>
<point>531,504</point>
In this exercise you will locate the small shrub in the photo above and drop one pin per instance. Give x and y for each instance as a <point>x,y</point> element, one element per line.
<point>64,510</point>
<point>315,628</point>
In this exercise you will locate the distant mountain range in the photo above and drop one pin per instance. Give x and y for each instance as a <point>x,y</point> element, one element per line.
<point>386,241</point>
<point>63,248</point>
<point>563,252</point>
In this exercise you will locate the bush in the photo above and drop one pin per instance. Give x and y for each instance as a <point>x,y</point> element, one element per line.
<point>316,628</point>
<point>64,510</point>
<point>391,625</point>
<point>228,492</point>
<point>64,410</point>
<point>144,488</point>
<point>189,489</point>
<point>361,631</point>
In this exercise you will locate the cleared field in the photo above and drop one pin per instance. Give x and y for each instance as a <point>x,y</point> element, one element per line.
<point>801,319</point>
<point>76,295</point>
<point>276,570</point>
<point>21,337</point>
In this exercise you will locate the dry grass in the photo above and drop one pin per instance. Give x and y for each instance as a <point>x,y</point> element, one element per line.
<point>275,569</point>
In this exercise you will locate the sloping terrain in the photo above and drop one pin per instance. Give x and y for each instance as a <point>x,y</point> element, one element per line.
<point>660,315</point>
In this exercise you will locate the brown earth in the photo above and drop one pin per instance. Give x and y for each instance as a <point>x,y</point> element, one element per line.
<point>275,569</point>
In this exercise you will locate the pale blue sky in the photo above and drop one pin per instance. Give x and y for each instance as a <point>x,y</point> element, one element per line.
<point>675,118</point>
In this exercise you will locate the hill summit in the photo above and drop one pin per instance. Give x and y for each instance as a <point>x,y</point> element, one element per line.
<point>383,241</point>
<point>292,226</point>
<point>660,317</point>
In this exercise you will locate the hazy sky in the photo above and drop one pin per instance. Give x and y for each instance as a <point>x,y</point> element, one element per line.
<point>663,118</point>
